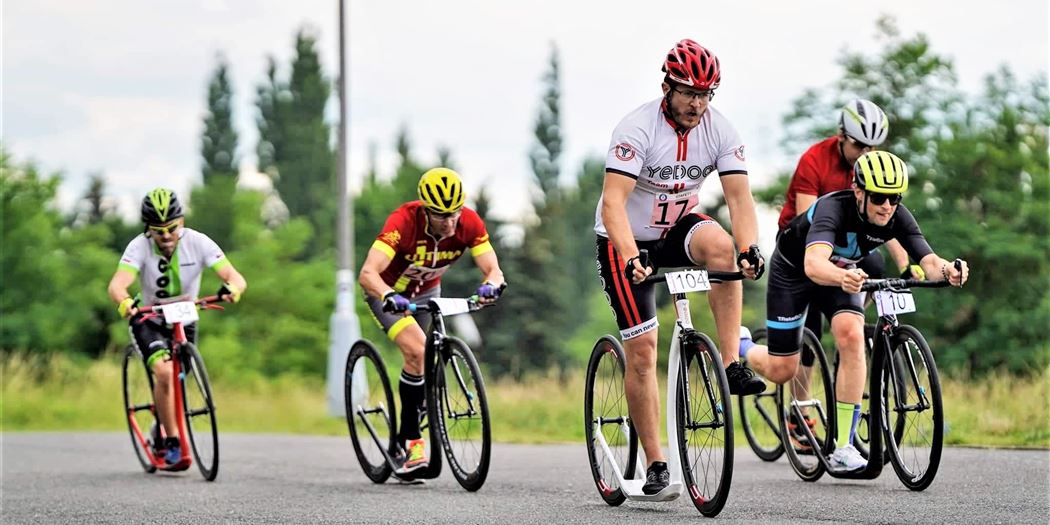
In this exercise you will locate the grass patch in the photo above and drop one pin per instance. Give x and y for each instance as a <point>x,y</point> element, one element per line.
<point>60,393</point>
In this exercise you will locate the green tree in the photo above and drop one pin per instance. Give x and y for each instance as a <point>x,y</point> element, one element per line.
<point>294,140</point>
<point>213,202</point>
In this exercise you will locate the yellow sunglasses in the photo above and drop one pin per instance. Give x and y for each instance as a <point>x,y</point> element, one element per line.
<point>165,229</point>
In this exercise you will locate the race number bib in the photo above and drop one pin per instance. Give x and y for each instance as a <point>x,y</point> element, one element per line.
<point>669,208</point>
<point>180,312</point>
<point>451,306</point>
<point>424,273</point>
<point>892,303</point>
<point>688,281</point>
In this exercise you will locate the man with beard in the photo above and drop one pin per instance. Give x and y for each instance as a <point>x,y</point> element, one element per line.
<point>659,156</point>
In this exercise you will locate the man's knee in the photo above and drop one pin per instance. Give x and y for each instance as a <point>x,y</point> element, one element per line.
<point>713,248</point>
<point>641,354</point>
<point>780,369</point>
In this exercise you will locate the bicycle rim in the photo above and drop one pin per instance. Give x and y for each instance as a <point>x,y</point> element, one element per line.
<point>605,411</point>
<point>199,409</point>
<point>138,405</point>
<point>463,415</point>
<point>705,426</point>
<point>914,406</point>
<point>369,404</point>
<point>808,396</point>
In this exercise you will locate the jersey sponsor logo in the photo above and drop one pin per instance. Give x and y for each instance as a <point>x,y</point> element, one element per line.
<point>789,319</point>
<point>624,151</point>
<point>421,255</point>
<point>875,239</point>
<point>391,237</point>
<point>739,153</point>
<point>678,172</point>
<point>188,264</point>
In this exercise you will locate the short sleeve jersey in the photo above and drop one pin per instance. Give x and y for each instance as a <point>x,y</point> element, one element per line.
<point>418,258</point>
<point>835,221</point>
<point>820,171</point>
<point>669,164</point>
<point>166,280</point>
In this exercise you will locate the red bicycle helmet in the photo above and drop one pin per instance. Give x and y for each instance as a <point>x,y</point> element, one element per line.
<point>690,64</point>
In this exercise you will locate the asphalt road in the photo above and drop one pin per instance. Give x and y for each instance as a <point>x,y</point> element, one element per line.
<point>95,478</point>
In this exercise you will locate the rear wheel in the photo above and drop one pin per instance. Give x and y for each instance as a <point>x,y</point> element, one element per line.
<point>758,416</point>
<point>605,418</point>
<point>705,425</point>
<point>459,408</point>
<point>369,404</point>
<point>138,406</point>
<point>200,412</point>
<point>914,408</point>
<point>806,411</point>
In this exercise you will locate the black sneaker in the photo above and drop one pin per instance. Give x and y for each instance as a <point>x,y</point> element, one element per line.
<point>742,381</point>
<point>656,478</point>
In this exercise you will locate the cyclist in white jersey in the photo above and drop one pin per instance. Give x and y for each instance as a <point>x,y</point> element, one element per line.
<point>167,259</point>
<point>659,156</point>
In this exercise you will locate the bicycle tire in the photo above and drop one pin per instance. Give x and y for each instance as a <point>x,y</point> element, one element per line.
<point>705,424</point>
<point>199,411</point>
<point>914,404</point>
<point>459,409</point>
<point>820,392</point>
<point>758,414</point>
<point>369,421</point>
<point>139,407</point>
<point>862,437</point>
<point>604,391</point>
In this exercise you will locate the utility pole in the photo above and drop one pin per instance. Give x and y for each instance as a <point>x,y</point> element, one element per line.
<point>343,325</point>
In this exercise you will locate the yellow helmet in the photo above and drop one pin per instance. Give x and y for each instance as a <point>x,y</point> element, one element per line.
<point>881,172</point>
<point>441,190</point>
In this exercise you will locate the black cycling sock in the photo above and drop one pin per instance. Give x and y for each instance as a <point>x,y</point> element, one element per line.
<point>411,393</point>
<point>171,442</point>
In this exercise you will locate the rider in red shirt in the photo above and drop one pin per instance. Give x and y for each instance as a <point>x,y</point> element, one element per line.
<point>419,242</point>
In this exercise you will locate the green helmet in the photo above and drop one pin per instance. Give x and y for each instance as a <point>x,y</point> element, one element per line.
<point>160,205</point>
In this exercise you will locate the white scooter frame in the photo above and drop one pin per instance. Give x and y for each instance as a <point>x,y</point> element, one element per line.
<point>678,283</point>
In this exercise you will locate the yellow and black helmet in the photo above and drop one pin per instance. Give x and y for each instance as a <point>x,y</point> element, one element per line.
<point>441,190</point>
<point>881,172</point>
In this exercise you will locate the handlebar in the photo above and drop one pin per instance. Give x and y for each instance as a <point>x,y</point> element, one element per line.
<point>713,276</point>
<point>901,284</point>
<point>155,310</point>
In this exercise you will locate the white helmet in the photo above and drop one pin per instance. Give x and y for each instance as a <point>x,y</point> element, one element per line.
<point>865,122</point>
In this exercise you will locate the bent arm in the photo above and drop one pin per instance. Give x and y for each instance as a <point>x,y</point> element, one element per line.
<point>488,263</point>
<point>819,267</point>
<point>614,213</point>
<point>229,274</point>
<point>119,284</point>
<point>375,262</point>
<point>741,204</point>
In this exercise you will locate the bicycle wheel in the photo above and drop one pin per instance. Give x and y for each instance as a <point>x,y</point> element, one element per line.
<point>705,424</point>
<point>862,438</point>
<point>914,408</point>
<point>200,412</point>
<point>138,405</point>
<point>459,408</point>
<point>758,416</point>
<point>369,404</point>
<point>605,413</point>
<point>808,399</point>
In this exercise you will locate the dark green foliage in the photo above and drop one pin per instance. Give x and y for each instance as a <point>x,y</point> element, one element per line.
<point>212,203</point>
<point>295,141</point>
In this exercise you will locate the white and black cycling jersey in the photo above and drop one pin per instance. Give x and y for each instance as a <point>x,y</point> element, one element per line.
<point>669,164</point>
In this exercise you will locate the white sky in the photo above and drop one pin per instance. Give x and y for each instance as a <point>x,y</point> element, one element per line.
<point>119,86</point>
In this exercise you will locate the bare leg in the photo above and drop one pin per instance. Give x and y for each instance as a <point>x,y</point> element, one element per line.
<point>643,393</point>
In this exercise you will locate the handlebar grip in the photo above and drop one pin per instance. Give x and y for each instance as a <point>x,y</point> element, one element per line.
<point>643,258</point>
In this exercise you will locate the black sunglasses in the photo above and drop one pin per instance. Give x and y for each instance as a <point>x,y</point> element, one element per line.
<point>879,199</point>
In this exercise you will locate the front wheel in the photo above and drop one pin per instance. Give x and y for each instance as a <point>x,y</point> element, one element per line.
<point>705,424</point>
<point>139,408</point>
<point>758,416</point>
<point>369,403</point>
<point>459,408</point>
<point>612,444</point>
<point>200,412</point>
<point>914,408</point>
<point>806,411</point>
